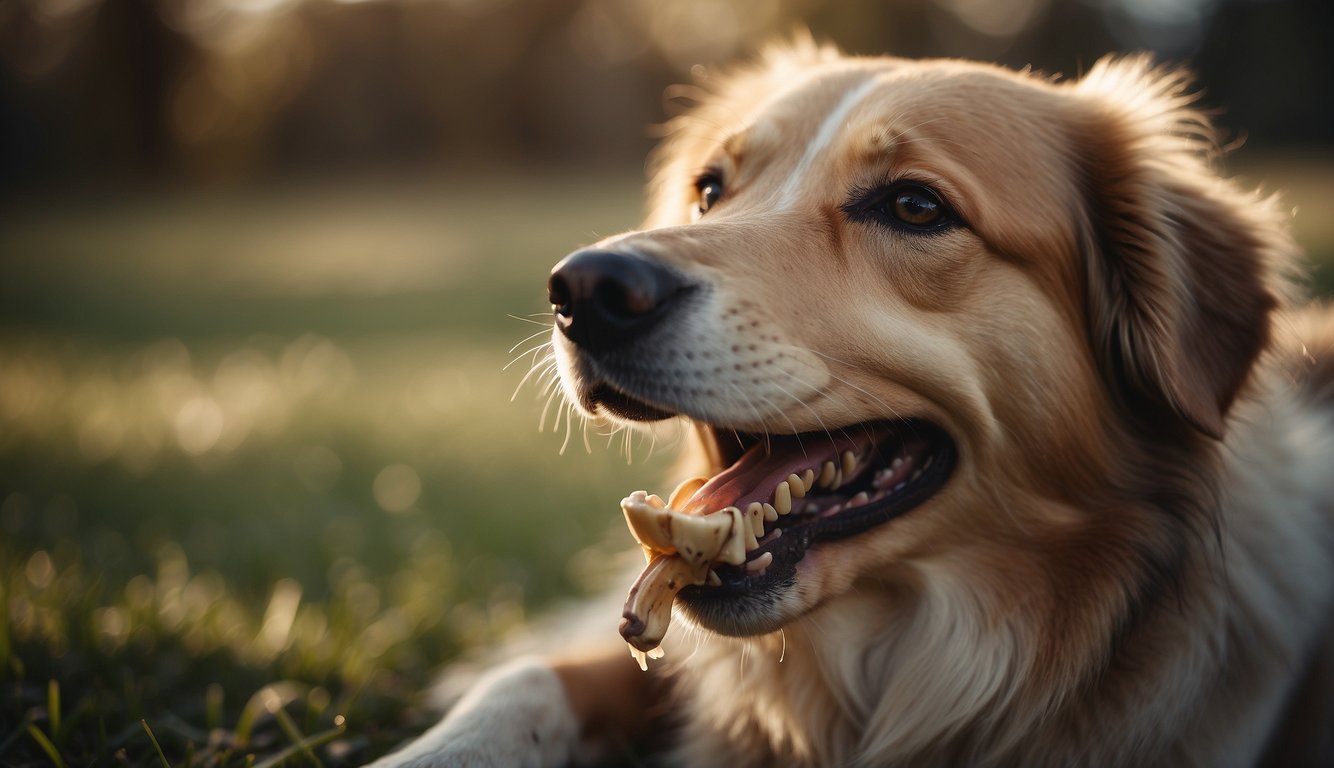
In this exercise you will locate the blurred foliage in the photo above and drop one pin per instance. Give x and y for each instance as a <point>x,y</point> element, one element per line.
<point>210,91</point>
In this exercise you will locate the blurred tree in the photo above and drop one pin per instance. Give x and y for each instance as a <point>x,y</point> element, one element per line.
<point>105,91</point>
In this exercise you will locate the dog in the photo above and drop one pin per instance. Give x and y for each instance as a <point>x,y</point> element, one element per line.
<point>1089,515</point>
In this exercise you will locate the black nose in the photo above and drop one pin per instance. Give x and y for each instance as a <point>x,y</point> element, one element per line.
<point>603,299</point>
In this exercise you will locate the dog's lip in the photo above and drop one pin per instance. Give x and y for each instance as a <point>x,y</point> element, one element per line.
<point>929,455</point>
<point>605,396</point>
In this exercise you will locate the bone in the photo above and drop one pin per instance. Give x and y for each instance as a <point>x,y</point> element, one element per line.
<point>698,539</point>
<point>685,490</point>
<point>680,549</point>
<point>648,606</point>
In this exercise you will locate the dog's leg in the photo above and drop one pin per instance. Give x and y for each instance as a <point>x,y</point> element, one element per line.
<point>533,712</point>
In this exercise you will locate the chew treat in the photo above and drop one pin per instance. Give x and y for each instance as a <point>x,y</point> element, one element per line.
<point>648,607</point>
<point>698,539</point>
<point>679,548</point>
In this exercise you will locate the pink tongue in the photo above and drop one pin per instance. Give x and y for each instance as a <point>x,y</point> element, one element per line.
<point>753,476</point>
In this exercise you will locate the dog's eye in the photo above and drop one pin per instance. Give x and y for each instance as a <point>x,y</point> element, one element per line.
<point>907,206</point>
<point>916,206</point>
<point>709,189</point>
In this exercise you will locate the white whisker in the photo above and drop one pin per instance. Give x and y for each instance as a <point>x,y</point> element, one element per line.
<point>535,334</point>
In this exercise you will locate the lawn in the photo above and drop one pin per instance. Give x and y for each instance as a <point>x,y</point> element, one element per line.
<point>260,469</point>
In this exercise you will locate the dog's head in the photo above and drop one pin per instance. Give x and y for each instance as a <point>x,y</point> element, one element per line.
<point>948,298</point>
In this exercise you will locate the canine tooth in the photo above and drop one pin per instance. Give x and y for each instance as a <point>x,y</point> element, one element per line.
<point>858,500</point>
<point>798,488</point>
<point>760,564</point>
<point>733,551</point>
<point>849,462</point>
<point>783,498</point>
<point>712,579</point>
<point>684,491</point>
<point>808,480</point>
<point>826,475</point>
<point>755,517</point>
<point>770,514</point>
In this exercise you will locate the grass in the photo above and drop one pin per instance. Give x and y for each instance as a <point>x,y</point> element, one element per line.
<point>260,475</point>
<point>244,520</point>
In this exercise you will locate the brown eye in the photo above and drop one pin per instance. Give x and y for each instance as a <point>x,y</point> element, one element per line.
<point>916,206</point>
<point>709,190</point>
<point>904,206</point>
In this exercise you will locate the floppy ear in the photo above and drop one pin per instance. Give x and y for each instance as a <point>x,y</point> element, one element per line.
<point>1181,266</point>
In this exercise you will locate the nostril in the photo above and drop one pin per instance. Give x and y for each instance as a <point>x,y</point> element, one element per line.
<point>558,292</point>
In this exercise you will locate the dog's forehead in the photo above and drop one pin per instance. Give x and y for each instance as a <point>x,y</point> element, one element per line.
<point>870,108</point>
<point>806,109</point>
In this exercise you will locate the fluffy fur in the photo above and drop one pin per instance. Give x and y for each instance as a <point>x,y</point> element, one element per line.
<point>1133,562</point>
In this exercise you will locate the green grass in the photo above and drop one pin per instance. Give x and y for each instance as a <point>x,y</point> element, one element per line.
<point>260,475</point>
<point>244,519</point>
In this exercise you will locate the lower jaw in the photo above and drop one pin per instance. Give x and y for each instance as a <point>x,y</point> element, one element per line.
<point>747,603</point>
<point>753,612</point>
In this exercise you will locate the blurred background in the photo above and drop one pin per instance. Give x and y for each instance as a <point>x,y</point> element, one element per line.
<point>263,268</point>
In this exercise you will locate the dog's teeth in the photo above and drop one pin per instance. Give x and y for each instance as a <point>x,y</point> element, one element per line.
<point>834,510</point>
<point>797,488</point>
<point>896,463</point>
<point>812,509</point>
<point>656,500</point>
<point>858,500</point>
<point>712,579</point>
<point>782,498</point>
<point>808,480</point>
<point>760,564</point>
<point>770,514</point>
<point>751,541</point>
<point>882,478</point>
<point>755,516</point>
<point>849,462</point>
<point>838,480</point>
<point>826,475</point>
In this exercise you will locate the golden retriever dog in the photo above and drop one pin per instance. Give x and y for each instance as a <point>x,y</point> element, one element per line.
<point>1055,442</point>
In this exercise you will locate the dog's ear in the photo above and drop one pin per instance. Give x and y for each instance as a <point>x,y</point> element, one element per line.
<point>1181,266</point>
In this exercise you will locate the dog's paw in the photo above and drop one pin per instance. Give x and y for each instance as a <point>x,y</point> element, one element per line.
<point>517,715</point>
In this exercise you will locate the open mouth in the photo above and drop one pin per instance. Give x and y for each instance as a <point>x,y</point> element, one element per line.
<point>812,488</point>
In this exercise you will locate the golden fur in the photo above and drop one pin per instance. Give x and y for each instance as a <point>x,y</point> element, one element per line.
<point>1133,562</point>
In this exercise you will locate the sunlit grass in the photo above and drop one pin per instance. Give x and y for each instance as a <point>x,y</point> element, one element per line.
<point>240,522</point>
